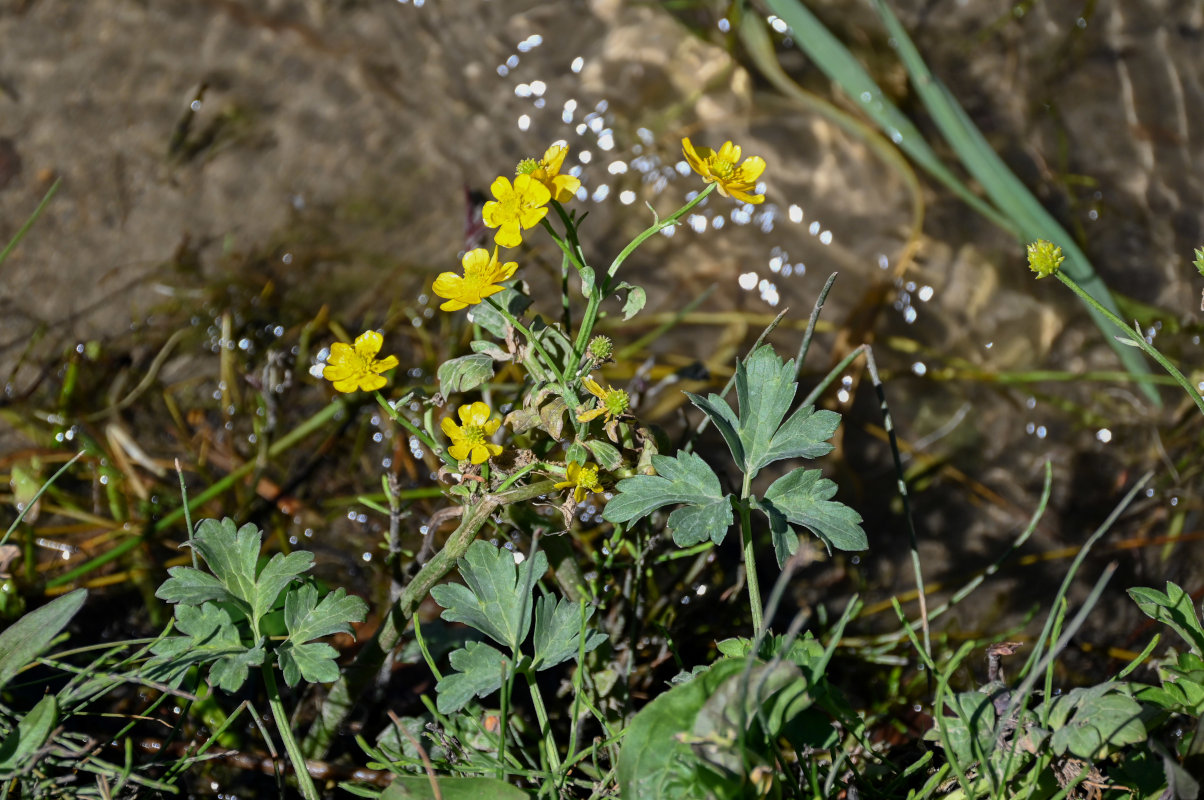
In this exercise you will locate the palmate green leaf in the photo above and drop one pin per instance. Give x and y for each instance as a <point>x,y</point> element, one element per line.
<point>757,437</point>
<point>1174,608</point>
<point>496,597</point>
<point>210,637</point>
<point>801,497</point>
<point>480,670</point>
<point>969,725</point>
<point>232,554</point>
<point>558,625</point>
<point>683,479</point>
<point>307,619</point>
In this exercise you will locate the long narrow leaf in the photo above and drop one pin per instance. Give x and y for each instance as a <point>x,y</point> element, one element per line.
<point>1004,188</point>
<point>1014,208</point>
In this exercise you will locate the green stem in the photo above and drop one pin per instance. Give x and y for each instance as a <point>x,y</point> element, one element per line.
<point>1136,338</point>
<point>422,435</point>
<point>525,331</point>
<point>600,291</point>
<point>304,781</point>
<point>541,715</point>
<point>750,557</point>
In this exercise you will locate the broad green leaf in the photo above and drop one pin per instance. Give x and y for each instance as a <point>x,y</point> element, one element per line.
<point>756,436</point>
<point>465,373</point>
<point>607,456</point>
<point>801,497</point>
<point>971,722</point>
<point>1175,608</point>
<point>496,595</point>
<point>558,626</point>
<point>210,636</point>
<point>314,661</point>
<point>684,479</point>
<point>232,555</point>
<point>1100,724</point>
<point>308,619</point>
<point>488,318</point>
<point>418,787</point>
<point>491,349</point>
<point>21,745</point>
<point>654,761</point>
<point>25,639</point>
<point>576,452</point>
<point>479,671</point>
<point>636,298</point>
<point>804,435</point>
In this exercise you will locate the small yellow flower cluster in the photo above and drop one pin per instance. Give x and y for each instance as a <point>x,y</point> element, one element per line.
<point>520,205</point>
<point>582,479</point>
<point>482,274</point>
<point>469,438</point>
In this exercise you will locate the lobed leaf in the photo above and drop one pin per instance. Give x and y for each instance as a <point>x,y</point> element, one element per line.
<point>496,595</point>
<point>682,479</point>
<point>558,627</point>
<point>465,373</point>
<point>1174,608</point>
<point>480,671</point>
<point>801,497</point>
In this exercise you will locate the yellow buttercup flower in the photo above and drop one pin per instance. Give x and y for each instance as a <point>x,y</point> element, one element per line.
<point>721,168</point>
<point>482,274</point>
<point>614,402</point>
<point>354,367</point>
<point>582,479</point>
<point>470,440</point>
<point>518,206</point>
<point>547,171</point>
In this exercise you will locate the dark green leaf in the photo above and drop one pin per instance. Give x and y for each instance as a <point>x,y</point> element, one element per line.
<point>1176,609</point>
<point>418,787</point>
<point>480,671</point>
<point>607,456</point>
<point>465,373</point>
<point>558,626</point>
<point>686,479</point>
<point>971,728</point>
<point>315,661</point>
<point>307,619</point>
<point>804,435</point>
<point>21,745</point>
<point>496,597</point>
<point>1099,723</point>
<point>25,639</point>
<point>488,318</point>
<point>801,497</point>
<point>210,636</point>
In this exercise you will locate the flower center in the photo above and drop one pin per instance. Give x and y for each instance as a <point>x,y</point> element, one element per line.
<point>527,166</point>
<point>587,478</point>
<point>473,434</point>
<point>617,402</point>
<point>723,169</point>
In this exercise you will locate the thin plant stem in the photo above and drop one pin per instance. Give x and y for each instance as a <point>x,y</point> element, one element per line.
<point>525,331</point>
<point>1135,338</point>
<point>750,558</point>
<point>304,782</point>
<point>600,291</point>
<point>541,716</point>
<point>422,435</point>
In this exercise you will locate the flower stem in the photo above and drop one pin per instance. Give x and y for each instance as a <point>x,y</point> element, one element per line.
<point>602,289</point>
<point>422,435</point>
<point>525,331</point>
<point>541,715</point>
<point>1137,339</point>
<point>750,557</point>
<point>304,781</point>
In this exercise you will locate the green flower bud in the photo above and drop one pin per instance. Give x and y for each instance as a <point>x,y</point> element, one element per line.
<point>601,348</point>
<point>1044,258</point>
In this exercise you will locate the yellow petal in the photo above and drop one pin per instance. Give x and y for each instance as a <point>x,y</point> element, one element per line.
<point>752,168</point>
<point>385,364</point>
<point>460,451</point>
<point>368,344</point>
<point>508,235</point>
<point>589,416</point>
<point>449,428</point>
